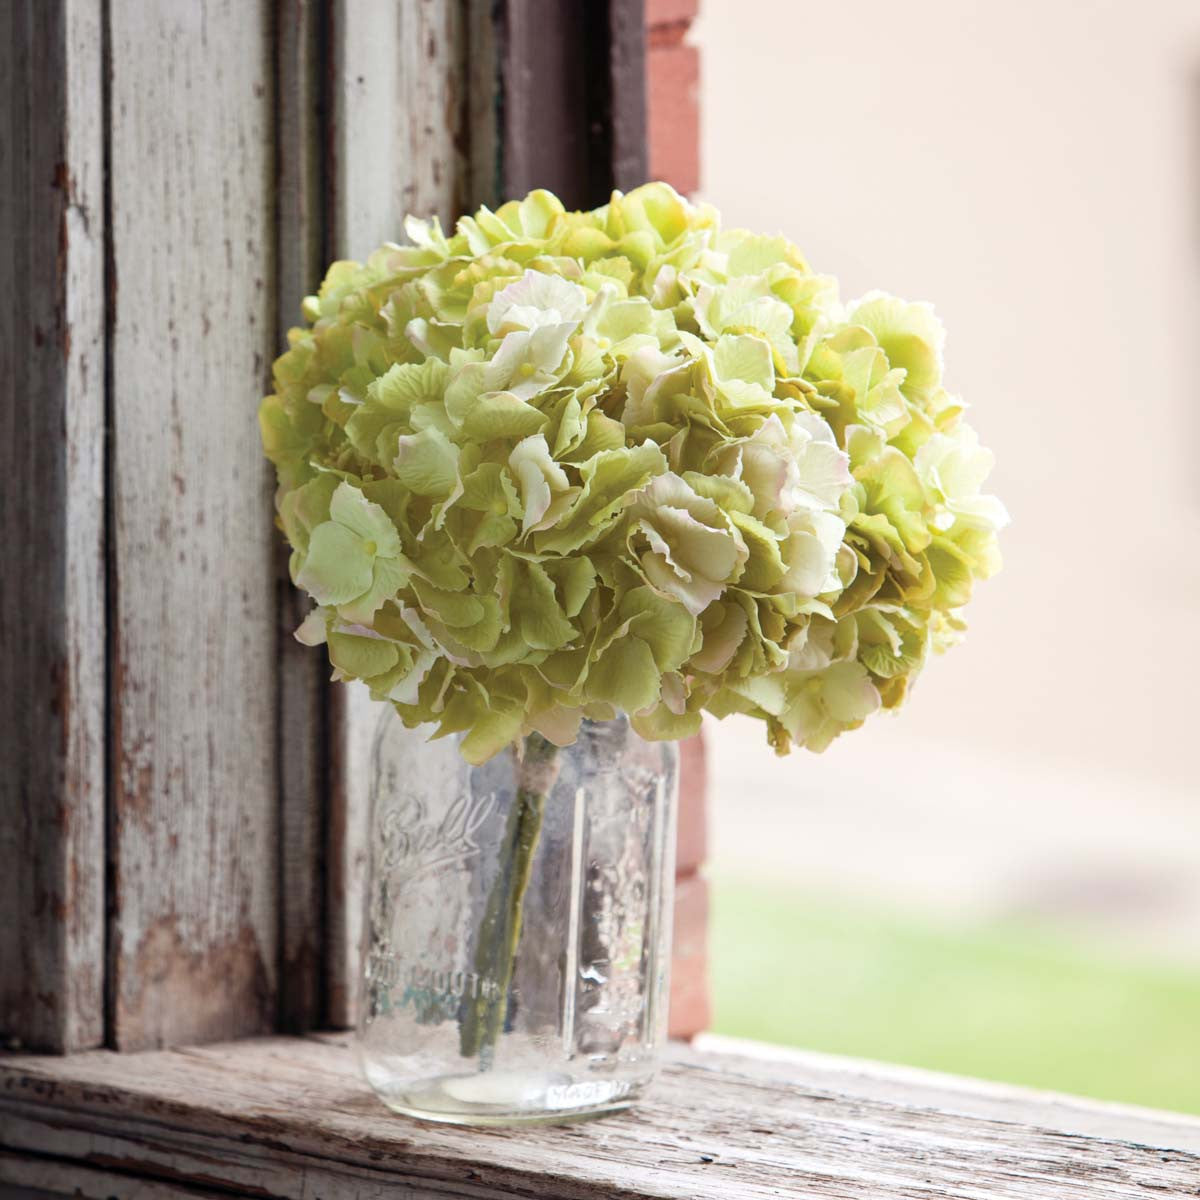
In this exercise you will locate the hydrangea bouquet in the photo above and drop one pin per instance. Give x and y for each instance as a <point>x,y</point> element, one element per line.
<point>573,464</point>
<point>567,465</point>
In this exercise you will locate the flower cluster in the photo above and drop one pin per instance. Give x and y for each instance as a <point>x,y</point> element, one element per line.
<point>568,464</point>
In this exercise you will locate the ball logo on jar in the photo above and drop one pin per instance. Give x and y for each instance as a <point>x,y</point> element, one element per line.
<point>414,841</point>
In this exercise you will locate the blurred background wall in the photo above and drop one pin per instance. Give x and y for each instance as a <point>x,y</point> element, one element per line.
<point>1034,169</point>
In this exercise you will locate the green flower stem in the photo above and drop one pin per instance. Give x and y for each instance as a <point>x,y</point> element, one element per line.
<point>500,931</point>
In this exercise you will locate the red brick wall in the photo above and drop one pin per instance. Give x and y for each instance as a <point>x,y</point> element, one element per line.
<point>673,104</point>
<point>690,1006</point>
<point>673,99</point>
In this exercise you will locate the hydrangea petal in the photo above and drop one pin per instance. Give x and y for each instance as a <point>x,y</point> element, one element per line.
<point>427,463</point>
<point>358,657</point>
<point>388,577</point>
<point>539,616</point>
<point>668,628</point>
<point>625,676</point>
<point>313,630</point>
<point>535,300</point>
<point>539,478</point>
<point>350,508</point>
<point>337,568</point>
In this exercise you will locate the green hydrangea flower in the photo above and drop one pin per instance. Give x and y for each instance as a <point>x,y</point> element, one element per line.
<point>564,464</point>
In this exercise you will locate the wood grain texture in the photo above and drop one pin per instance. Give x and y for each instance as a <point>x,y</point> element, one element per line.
<point>280,1117</point>
<point>363,212</point>
<point>194,825</point>
<point>401,108</point>
<point>52,606</point>
<point>303,690</point>
<point>625,103</point>
<point>483,113</point>
<point>573,98</point>
<point>353,717</point>
<point>61,1180</point>
<point>554,68</point>
<point>430,136</point>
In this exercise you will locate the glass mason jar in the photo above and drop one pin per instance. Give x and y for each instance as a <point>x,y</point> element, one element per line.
<point>519,924</point>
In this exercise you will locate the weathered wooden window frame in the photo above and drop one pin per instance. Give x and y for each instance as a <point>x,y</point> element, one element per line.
<point>290,1117</point>
<point>179,833</point>
<point>181,830</point>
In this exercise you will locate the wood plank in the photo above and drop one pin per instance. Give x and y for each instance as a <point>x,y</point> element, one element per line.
<point>625,105</point>
<point>485,165</point>
<point>895,1083</point>
<point>352,723</point>
<point>400,111</point>
<point>430,140</point>
<point>303,691</point>
<point>288,1117</point>
<point>438,106</point>
<point>20,1192</point>
<point>193,938</point>
<point>363,212</point>
<point>52,595</point>
<point>59,1180</point>
<point>554,61</point>
<point>573,80</point>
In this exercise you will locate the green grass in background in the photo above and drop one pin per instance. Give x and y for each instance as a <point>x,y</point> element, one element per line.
<point>1001,1002</point>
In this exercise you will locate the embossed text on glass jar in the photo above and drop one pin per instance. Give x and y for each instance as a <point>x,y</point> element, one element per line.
<point>518,924</point>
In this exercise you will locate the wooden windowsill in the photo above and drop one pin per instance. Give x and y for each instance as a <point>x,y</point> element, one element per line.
<point>289,1117</point>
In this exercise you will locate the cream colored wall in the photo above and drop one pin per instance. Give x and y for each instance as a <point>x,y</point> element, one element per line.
<point>1032,167</point>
